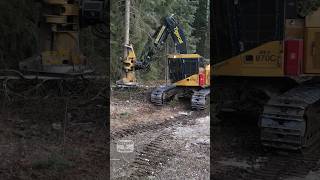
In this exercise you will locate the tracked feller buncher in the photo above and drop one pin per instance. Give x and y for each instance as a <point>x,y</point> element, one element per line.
<point>267,60</point>
<point>188,73</point>
<point>189,77</point>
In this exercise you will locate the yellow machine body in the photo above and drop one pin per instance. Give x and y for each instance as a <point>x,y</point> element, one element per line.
<point>312,51</point>
<point>265,60</point>
<point>189,77</point>
<point>189,81</point>
<point>268,59</point>
<point>59,41</point>
<point>192,80</point>
<point>129,78</point>
<point>269,68</point>
<point>64,47</point>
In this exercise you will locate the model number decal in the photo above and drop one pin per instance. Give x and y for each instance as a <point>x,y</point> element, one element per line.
<point>262,57</point>
<point>267,56</point>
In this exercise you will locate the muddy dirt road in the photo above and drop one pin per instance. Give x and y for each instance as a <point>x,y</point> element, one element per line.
<point>172,142</point>
<point>150,142</point>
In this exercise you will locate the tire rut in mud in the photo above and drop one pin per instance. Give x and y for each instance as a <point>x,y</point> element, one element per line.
<point>151,158</point>
<point>154,155</point>
<point>141,128</point>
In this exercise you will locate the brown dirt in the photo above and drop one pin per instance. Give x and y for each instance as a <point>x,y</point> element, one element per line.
<point>49,135</point>
<point>236,140</point>
<point>133,107</point>
<point>167,139</point>
<point>237,153</point>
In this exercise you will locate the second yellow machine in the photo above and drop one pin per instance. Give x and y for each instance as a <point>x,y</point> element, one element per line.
<point>268,61</point>
<point>59,51</point>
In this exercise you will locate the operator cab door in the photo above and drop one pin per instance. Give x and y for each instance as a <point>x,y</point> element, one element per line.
<point>312,51</point>
<point>312,43</point>
<point>183,65</point>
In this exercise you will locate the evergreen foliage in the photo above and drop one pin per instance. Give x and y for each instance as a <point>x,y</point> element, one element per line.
<point>305,7</point>
<point>145,17</point>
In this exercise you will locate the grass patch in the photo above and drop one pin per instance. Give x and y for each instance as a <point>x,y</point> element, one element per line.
<point>124,114</point>
<point>174,102</point>
<point>54,162</point>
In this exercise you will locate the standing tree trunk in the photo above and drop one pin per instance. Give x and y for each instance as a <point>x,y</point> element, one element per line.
<point>126,27</point>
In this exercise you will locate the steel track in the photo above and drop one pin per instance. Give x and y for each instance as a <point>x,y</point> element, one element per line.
<point>291,120</point>
<point>200,99</point>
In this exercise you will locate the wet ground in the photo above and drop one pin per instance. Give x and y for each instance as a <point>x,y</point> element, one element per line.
<point>49,135</point>
<point>237,154</point>
<point>173,142</point>
<point>52,138</point>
